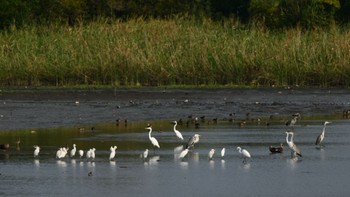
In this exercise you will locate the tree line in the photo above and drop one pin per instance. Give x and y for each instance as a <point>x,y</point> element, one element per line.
<point>271,13</point>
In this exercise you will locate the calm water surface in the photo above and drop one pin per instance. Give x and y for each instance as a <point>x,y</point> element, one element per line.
<point>321,172</point>
<point>28,116</point>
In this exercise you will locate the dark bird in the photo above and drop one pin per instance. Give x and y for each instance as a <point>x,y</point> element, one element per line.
<point>292,121</point>
<point>276,149</point>
<point>4,147</point>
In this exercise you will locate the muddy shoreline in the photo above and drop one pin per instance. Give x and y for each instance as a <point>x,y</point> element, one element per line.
<point>31,108</point>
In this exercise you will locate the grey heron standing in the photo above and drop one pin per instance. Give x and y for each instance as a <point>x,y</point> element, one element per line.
<point>293,120</point>
<point>294,148</point>
<point>320,137</point>
<point>192,141</point>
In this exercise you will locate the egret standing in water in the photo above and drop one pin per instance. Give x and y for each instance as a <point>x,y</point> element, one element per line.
<point>74,149</point>
<point>183,153</point>
<point>177,132</point>
<point>81,153</point>
<point>223,152</point>
<point>112,154</point>
<point>153,140</point>
<point>144,155</point>
<point>320,138</point>
<point>36,151</point>
<point>211,154</point>
<point>244,153</point>
<point>295,150</point>
<point>192,141</point>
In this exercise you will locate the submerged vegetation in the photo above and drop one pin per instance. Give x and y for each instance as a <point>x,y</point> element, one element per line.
<point>177,51</point>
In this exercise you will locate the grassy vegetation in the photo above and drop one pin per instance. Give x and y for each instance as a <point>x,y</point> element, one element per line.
<point>173,52</point>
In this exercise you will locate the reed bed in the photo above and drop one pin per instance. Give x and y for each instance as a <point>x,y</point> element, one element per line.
<point>173,52</point>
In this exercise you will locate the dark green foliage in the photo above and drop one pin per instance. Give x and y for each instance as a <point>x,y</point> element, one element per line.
<point>272,13</point>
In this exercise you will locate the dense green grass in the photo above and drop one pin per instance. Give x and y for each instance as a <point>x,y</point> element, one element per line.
<point>173,52</point>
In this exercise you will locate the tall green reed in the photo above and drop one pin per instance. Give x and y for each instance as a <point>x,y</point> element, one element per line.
<point>173,52</point>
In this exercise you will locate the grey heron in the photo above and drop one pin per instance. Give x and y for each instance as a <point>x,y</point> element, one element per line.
<point>293,121</point>
<point>177,132</point>
<point>192,141</point>
<point>294,148</point>
<point>320,137</point>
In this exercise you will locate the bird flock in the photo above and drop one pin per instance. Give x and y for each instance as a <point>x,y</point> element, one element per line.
<point>64,152</point>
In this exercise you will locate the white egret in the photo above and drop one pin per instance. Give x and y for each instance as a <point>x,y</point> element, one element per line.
<point>183,153</point>
<point>112,154</point>
<point>36,151</point>
<point>59,153</point>
<point>81,153</point>
<point>93,153</point>
<point>153,140</point>
<point>177,132</point>
<point>211,154</point>
<point>223,150</point>
<point>73,151</point>
<point>145,154</point>
<point>90,154</point>
<point>244,153</point>
<point>295,150</point>
<point>192,141</point>
<point>320,138</point>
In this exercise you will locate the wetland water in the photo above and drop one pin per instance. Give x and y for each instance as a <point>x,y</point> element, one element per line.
<point>53,119</point>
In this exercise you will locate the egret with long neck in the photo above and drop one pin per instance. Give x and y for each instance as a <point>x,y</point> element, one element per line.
<point>153,140</point>
<point>294,148</point>
<point>177,132</point>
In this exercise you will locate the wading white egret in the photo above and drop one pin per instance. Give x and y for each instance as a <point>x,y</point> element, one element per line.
<point>145,154</point>
<point>183,153</point>
<point>36,151</point>
<point>90,154</point>
<point>320,138</point>
<point>112,153</point>
<point>59,153</point>
<point>81,153</point>
<point>211,154</point>
<point>177,132</point>
<point>192,141</point>
<point>153,140</point>
<point>244,153</point>
<point>223,150</point>
<point>295,150</point>
<point>74,149</point>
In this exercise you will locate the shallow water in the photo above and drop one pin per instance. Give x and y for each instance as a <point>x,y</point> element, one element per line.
<point>52,119</point>
<point>320,172</point>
